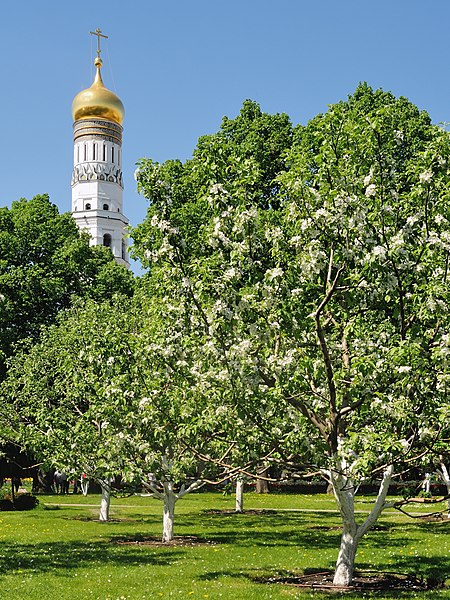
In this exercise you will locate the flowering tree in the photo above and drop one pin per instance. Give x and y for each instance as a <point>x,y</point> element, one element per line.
<point>59,400</point>
<point>324,309</point>
<point>108,390</point>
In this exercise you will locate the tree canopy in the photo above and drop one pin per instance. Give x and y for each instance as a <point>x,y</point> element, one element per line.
<point>327,302</point>
<point>45,262</point>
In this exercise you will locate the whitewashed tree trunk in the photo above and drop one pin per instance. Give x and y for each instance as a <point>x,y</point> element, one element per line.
<point>106,499</point>
<point>169,498</point>
<point>445,475</point>
<point>344,492</point>
<point>239,495</point>
<point>84,484</point>
<point>169,511</point>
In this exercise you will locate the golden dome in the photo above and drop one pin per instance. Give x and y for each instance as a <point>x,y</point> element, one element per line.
<point>97,102</point>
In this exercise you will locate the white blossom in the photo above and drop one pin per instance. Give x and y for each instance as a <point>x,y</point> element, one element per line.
<point>399,136</point>
<point>272,274</point>
<point>379,251</point>
<point>426,176</point>
<point>371,190</point>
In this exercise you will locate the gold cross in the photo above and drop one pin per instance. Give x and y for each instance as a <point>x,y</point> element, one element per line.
<point>99,34</point>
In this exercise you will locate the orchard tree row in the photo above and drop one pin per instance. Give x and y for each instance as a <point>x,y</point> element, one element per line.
<point>294,312</point>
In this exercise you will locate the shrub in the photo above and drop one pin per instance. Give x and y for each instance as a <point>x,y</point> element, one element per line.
<point>26,502</point>
<point>6,504</point>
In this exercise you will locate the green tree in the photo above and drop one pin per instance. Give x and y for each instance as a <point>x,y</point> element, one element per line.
<point>326,305</point>
<point>246,155</point>
<point>44,264</point>
<point>108,390</point>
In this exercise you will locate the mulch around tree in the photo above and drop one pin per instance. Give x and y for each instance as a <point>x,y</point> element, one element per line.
<point>362,581</point>
<point>229,512</point>
<point>178,540</point>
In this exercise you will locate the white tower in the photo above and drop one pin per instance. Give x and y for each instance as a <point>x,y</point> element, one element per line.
<point>97,184</point>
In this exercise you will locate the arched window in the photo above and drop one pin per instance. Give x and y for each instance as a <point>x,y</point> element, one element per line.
<point>88,206</point>
<point>107,240</point>
<point>104,152</point>
<point>124,250</point>
<point>112,154</point>
<point>94,151</point>
<point>106,207</point>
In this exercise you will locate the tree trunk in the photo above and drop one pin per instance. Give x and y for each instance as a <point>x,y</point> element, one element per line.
<point>42,481</point>
<point>344,491</point>
<point>446,479</point>
<point>345,563</point>
<point>345,494</point>
<point>239,495</point>
<point>84,484</point>
<point>106,499</point>
<point>169,511</point>
<point>262,486</point>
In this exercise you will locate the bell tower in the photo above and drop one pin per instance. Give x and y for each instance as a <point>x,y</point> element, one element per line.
<point>97,184</point>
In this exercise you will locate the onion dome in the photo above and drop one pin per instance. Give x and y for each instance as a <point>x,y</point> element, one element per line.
<point>97,102</point>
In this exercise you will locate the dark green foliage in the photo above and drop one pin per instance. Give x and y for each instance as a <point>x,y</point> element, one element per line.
<point>26,502</point>
<point>44,263</point>
<point>244,156</point>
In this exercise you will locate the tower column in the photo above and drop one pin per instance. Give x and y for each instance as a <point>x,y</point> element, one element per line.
<point>97,183</point>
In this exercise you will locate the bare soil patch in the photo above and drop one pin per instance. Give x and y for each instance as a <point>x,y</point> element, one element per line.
<point>255,511</point>
<point>178,540</point>
<point>362,581</point>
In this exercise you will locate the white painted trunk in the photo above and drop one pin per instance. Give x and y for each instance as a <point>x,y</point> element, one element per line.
<point>446,479</point>
<point>345,563</point>
<point>169,511</point>
<point>239,495</point>
<point>84,484</point>
<point>106,500</point>
<point>344,492</point>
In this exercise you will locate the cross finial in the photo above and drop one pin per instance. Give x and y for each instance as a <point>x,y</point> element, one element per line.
<point>99,34</point>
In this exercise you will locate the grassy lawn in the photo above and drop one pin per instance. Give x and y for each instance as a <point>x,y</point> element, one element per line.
<point>62,552</point>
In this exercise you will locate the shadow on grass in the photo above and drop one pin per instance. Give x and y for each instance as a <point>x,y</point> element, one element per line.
<point>281,529</point>
<point>322,534</point>
<point>428,578</point>
<point>66,556</point>
<point>426,567</point>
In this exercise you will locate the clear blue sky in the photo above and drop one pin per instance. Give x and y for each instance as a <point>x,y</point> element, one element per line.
<point>180,66</point>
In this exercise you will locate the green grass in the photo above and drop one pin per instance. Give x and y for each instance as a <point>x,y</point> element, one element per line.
<point>66,554</point>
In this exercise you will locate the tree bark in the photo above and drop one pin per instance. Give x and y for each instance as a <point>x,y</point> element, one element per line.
<point>344,492</point>
<point>106,499</point>
<point>345,564</point>
<point>239,495</point>
<point>446,479</point>
<point>262,486</point>
<point>84,484</point>
<point>169,511</point>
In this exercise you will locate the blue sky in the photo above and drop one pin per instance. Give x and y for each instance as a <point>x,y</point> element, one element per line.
<point>180,66</point>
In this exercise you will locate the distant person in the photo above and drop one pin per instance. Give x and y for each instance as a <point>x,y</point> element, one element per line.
<point>61,483</point>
